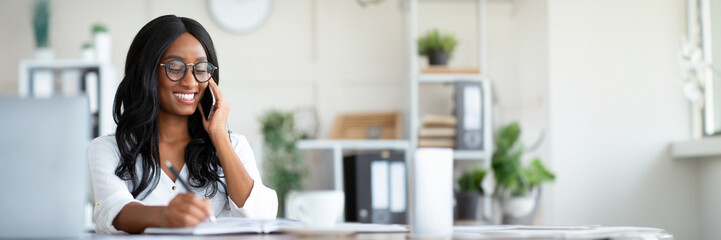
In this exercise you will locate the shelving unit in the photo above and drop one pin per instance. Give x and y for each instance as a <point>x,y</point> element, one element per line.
<point>338,146</point>
<point>447,76</point>
<point>418,77</point>
<point>103,118</point>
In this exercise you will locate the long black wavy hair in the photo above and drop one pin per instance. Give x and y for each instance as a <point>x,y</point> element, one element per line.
<point>136,105</point>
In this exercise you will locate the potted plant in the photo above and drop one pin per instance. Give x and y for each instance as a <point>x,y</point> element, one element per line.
<point>470,190</point>
<point>517,187</point>
<point>438,47</point>
<point>283,164</point>
<point>41,27</point>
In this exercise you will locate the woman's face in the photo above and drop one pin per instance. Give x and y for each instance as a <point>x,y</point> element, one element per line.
<point>181,97</point>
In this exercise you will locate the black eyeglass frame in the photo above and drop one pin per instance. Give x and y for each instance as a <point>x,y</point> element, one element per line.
<point>211,70</point>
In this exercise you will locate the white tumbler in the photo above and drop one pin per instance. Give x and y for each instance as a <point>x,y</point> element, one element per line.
<point>433,193</point>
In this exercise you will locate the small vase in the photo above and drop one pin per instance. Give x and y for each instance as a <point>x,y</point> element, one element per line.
<point>88,54</point>
<point>44,53</point>
<point>520,210</point>
<point>438,58</point>
<point>103,47</point>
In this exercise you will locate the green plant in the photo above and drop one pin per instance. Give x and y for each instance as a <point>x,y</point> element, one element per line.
<point>99,28</point>
<point>435,41</point>
<point>283,164</point>
<point>41,23</point>
<point>470,181</point>
<point>510,175</point>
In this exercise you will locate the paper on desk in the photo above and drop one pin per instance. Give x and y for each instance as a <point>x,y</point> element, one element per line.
<point>345,229</point>
<point>521,231</point>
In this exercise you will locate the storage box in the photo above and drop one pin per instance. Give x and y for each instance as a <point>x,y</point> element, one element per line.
<point>368,126</point>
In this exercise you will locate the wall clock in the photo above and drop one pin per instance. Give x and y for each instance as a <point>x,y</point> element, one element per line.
<point>239,16</point>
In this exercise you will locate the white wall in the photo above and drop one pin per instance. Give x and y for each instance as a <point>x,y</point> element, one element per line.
<point>710,197</point>
<point>522,91</point>
<point>615,106</point>
<point>329,54</point>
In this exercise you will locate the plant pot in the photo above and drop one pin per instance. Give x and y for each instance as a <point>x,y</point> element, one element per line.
<point>520,210</point>
<point>467,206</point>
<point>438,58</point>
<point>103,47</point>
<point>44,53</point>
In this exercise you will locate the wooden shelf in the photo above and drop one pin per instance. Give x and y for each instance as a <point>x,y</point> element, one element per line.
<point>354,144</point>
<point>450,70</point>
<point>449,78</point>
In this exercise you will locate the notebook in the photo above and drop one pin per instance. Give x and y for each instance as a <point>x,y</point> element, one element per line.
<point>227,226</point>
<point>259,226</point>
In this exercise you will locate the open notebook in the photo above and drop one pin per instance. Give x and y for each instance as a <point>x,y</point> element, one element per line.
<point>258,226</point>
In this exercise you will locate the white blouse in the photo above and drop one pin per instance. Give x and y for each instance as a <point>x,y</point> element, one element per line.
<point>112,193</point>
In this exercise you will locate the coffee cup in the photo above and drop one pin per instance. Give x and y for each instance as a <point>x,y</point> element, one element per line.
<point>316,209</point>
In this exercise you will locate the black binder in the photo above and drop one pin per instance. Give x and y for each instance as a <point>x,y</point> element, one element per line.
<point>359,172</point>
<point>469,112</point>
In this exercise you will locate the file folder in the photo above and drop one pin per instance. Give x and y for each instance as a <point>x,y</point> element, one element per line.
<point>469,112</point>
<point>375,187</point>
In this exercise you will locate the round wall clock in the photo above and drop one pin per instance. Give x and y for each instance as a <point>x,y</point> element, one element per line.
<point>239,16</point>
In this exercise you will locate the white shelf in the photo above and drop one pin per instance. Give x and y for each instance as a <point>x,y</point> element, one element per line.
<point>449,78</point>
<point>338,146</point>
<point>704,148</point>
<point>470,155</point>
<point>60,64</point>
<point>354,144</point>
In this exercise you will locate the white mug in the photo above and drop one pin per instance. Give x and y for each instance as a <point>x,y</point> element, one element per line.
<point>317,209</point>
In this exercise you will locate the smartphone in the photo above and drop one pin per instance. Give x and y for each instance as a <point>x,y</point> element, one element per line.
<point>207,102</point>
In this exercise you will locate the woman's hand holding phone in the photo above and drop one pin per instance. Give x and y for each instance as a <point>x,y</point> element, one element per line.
<point>216,122</point>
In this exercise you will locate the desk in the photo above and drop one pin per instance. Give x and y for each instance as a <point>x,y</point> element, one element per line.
<point>393,236</point>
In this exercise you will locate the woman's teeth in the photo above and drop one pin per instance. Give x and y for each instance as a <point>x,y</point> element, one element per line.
<point>188,96</point>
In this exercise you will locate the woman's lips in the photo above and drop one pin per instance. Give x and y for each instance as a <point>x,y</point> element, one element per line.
<point>185,97</point>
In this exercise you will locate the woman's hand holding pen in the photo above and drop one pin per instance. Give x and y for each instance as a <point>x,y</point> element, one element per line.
<point>215,125</point>
<point>186,210</point>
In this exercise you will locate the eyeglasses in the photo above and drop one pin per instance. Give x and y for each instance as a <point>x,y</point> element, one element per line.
<point>176,70</point>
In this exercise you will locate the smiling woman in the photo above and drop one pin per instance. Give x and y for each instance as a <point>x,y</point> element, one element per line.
<point>160,119</point>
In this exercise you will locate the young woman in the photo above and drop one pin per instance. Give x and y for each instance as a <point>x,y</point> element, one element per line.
<point>170,64</point>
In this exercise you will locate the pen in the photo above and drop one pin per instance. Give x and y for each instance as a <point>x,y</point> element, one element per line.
<point>185,185</point>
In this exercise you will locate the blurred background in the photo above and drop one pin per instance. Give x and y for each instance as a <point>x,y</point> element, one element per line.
<point>614,97</point>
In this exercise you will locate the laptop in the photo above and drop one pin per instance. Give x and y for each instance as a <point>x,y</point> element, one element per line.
<point>43,166</point>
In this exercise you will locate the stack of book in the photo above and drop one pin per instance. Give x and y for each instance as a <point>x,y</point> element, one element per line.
<point>438,131</point>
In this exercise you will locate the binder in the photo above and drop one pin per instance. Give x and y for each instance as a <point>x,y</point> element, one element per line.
<point>469,112</point>
<point>375,187</point>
